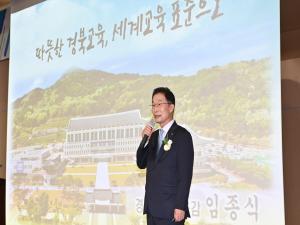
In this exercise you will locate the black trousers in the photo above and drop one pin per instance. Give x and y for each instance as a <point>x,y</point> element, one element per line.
<point>158,221</point>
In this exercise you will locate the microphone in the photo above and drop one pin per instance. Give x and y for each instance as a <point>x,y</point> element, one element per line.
<point>151,123</point>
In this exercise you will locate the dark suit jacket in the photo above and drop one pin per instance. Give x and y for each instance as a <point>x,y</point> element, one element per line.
<point>169,175</point>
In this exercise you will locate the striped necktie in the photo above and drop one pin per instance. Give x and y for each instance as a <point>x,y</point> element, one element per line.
<point>160,140</point>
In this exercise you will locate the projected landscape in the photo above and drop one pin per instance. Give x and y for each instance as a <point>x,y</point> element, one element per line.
<point>80,93</point>
<point>75,142</point>
<point>229,102</point>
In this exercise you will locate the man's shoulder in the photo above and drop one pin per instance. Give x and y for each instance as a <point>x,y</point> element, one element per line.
<point>182,130</point>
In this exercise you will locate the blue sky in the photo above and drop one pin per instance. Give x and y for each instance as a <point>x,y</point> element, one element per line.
<point>248,30</point>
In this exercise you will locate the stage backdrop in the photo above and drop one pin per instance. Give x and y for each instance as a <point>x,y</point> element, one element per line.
<point>81,77</point>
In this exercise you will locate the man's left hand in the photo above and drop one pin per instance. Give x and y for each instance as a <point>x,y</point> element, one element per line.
<point>178,215</point>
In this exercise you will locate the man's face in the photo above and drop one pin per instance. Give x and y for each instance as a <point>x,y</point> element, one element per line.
<point>161,109</point>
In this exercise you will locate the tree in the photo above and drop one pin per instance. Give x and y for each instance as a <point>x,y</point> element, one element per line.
<point>37,206</point>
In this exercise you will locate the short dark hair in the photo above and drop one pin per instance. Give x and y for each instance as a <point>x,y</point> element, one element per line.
<point>166,92</point>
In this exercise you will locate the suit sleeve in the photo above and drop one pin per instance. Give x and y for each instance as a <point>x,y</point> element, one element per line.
<point>142,155</point>
<point>185,161</point>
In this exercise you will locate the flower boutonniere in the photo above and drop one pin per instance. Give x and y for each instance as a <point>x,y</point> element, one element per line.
<point>167,144</point>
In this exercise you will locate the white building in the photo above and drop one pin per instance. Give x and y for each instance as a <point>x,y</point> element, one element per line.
<point>104,138</point>
<point>27,159</point>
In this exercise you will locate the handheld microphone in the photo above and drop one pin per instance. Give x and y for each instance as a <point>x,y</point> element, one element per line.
<point>151,123</point>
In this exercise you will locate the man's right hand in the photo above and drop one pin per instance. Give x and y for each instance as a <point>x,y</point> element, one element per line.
<point>147,131</point>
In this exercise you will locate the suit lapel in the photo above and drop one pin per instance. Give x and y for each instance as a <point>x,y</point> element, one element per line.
<point>162,153</point>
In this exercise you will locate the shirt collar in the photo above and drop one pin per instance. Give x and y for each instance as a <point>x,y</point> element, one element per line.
<point>167,127</point>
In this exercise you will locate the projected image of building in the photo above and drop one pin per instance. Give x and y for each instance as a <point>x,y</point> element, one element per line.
<point>115,138</point>
<point>27,159</point>
<point>103,198</point>
<point>104,138</point>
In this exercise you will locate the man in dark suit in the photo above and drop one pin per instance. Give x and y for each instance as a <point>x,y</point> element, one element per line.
<point>168,157</point>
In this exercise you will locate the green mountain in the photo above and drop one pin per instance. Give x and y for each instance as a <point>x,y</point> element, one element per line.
<point>230,102</point>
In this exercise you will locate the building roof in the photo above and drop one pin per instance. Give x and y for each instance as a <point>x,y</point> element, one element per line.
<point>109,120</point>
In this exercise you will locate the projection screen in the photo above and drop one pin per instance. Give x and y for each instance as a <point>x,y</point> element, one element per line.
<point>81,78</point>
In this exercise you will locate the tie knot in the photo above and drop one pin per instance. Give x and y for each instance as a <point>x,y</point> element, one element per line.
<point>161,133</point>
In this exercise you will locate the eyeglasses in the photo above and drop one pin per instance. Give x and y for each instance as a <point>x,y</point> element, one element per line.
<point>159,104</point>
